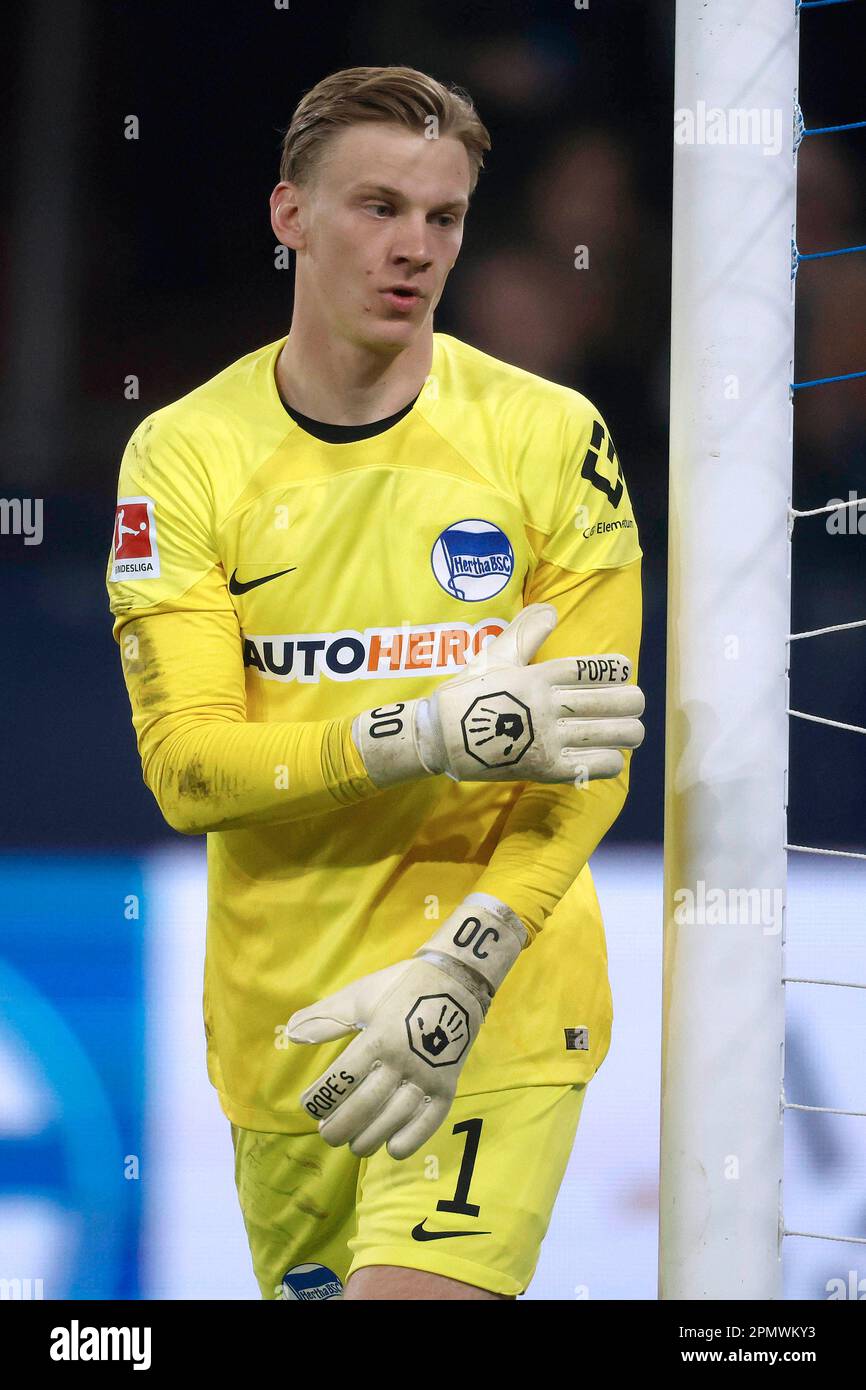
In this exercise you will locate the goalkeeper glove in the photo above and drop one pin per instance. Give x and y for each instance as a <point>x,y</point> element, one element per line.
<point>395,1083</point>
<point>502,720</point>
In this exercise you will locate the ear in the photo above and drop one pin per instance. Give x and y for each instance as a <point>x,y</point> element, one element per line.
<point>286,203</point>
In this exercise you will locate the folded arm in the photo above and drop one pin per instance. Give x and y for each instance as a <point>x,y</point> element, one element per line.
<point>552,830</point>
<point>207,766</point>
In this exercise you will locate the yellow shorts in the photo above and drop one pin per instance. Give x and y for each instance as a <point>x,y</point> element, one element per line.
<point>473,1204</point>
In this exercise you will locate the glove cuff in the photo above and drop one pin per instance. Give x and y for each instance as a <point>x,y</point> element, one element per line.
<point>428,733</point>
<point>483,935</point>
<point>391,746</point>
<point>469,979</point>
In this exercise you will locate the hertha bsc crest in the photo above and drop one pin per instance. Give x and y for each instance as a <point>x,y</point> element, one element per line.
<point>497,729</point>
<point>472,559</point>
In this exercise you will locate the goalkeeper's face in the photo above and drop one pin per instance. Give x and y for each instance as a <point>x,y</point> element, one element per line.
<point>376,229</point>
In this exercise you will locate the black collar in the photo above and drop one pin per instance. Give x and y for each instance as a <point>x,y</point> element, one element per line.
<point>347,434</point>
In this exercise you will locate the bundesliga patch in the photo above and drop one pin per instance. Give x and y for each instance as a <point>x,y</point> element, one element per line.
<point>135,554</point>
<point>577,1039</point>
<point>472,560</point>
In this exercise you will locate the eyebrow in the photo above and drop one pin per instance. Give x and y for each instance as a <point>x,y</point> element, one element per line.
<point>395,193</point>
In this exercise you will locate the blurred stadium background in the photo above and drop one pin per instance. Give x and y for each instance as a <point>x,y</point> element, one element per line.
<point>153,258</point>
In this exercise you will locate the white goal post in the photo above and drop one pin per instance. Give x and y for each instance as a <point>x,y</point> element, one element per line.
<point>732,335</point>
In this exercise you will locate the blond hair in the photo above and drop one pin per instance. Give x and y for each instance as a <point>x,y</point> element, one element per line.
<point>389,94</point>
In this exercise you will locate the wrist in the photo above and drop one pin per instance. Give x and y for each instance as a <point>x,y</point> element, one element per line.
<point>394,744</point>
<point>483,936</point>
<point>463,974</point>
<point>428,728</point>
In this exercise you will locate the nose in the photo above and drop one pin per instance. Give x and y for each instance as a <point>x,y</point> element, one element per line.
<point>411,241</point>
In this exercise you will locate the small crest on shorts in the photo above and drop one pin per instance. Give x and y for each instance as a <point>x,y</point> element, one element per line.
<point>576,1039</point>
<point>310,1283</point>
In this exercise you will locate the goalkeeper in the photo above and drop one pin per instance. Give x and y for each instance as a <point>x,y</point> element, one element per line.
<point>377,597</point>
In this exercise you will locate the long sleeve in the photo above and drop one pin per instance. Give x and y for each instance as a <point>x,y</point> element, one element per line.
<point>552,830</point>
<point>589,568</point>
<point>209,764</point>
<point>208,768</point>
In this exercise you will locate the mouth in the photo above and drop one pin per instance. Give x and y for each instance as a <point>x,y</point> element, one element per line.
<point>402,297</point>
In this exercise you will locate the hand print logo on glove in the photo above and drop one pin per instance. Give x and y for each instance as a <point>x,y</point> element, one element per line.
<point>497,729</point>
<point>438,1029</point>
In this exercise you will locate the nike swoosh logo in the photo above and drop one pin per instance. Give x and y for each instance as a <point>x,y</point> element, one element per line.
<point>237,587</point>
<point>419,1233</point>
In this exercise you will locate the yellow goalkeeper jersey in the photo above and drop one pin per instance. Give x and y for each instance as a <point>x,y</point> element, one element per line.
<point>267,584</point>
